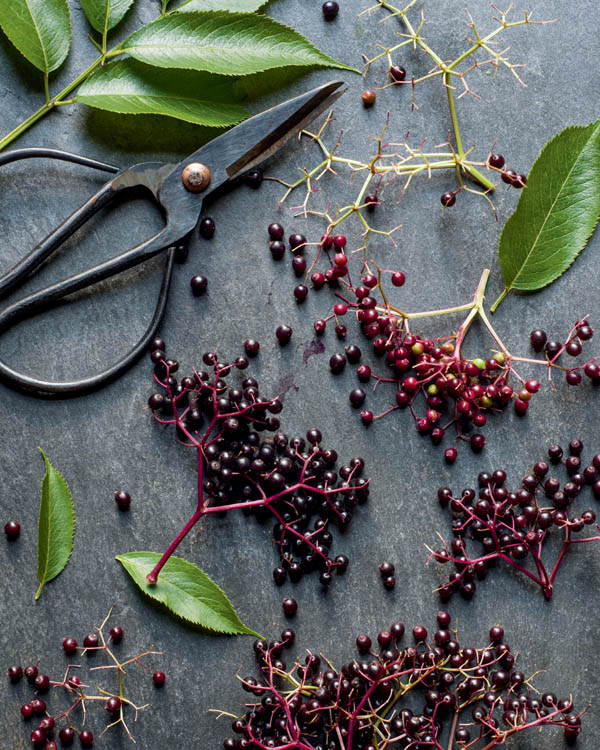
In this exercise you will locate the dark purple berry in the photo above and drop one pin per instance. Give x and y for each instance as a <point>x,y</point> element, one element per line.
<point>253,179</point>
<point>538,338</point>
<point>251,346</point>
<point>66,736</point>
<point>283,334</point>
<point>123,499</point>
<point>290,606</point>
<point>158,678</point>
<point>448,199</point>
<point>496,161</point>
<point>276,231</point>
<point>357,397</point>
<point>69,645</point>
<point>397,73</point>
<point>12,529</point>
<point>330,10</point>
<point>207,228</point>
<point>198,285</point>
<point>277,248</point>
<point>86,738</point>
<point>116,634</point>
<point>15,673</point>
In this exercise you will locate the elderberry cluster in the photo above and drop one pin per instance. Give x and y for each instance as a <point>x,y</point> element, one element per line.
<point>80,694</point>
<point>513,526</point>
<point>293,479</point>
<point>463,696</point>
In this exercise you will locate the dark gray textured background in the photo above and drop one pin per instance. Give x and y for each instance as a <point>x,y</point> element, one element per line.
<point>107,441</point>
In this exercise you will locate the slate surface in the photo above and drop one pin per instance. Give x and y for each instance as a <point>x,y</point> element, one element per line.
<point>107,441</point>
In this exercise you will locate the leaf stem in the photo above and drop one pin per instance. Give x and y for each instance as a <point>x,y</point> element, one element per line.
<point>50,104</point>
<point>494,307</point>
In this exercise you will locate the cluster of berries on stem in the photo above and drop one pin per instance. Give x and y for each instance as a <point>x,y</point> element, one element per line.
<point>512,527</point>
<point>459,696</point>
<point>293,480</point>
<point>79,695</point>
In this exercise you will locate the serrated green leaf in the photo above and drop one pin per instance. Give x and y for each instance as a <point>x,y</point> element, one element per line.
<point>56,526</point>
<point>233,6</point>
<point>186,591</point>
<point>222,42</point>
<point>104,15</point>
<point>556,213</point>
<point>39,29</point>
<point>130,87</point>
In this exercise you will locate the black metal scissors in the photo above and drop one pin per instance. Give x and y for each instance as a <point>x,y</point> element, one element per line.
<point>178,189</point>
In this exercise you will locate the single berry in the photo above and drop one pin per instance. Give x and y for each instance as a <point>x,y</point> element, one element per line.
<point>198,285</point>
<point>448,199</point>
<point>368,98</point>
<point>113,704</point>
<point>508,176</point>
<point>450,455</point>
<point>42,682</point>
<point>66,736</point>
<point>496,161</point>
<point>253,179</point>
<point>277,248</point>
<point>31,672</point>
<point>207,228</point>
<point>50,745</point>
<point>363,643</point>
<point>123,499</point>
<point>290,606</point>
<point>520,181</point>
<point>38,736</point>
<point>27,711</point>
<point>330,10</point>
<point>389,583</point>
<point>12,529</point>
<point>300,293</point>
<point>367,417</point>
<point>538,339</point>
<point>116,634</point>
<point>86,738</point>
<point>283,334</point>
<point>357,397</point>
<point>15,673</point>
<point>398,73</point>
<point>158,678</point>
<point>39,706</point>
<point>47,724</point>
<point>297,241</point>
<point>91,641</point>
<point>398,278</point>
<point>371,202</point>
<point>69,645</point>
<point>251,346</point>
<point>276,231</point>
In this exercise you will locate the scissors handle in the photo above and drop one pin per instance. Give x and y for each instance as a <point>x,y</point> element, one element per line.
<point>146,175</point>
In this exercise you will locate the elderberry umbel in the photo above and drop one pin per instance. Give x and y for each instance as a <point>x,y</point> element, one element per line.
<point>431,377</point>
<point>432,693</point>
<point>291,479</point>
<point>494,525</point>
<point>77,691</point>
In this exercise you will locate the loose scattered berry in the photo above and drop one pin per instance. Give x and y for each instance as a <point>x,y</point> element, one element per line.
<point>158,678</point>
<point>198,285</point>
<point>12,529</point>
<point>283,334</point>
<point>122,498</point>
<point>330,10</point>
<point>290,606</point>
<point>207,228</point>
<point>368,98</point>
<point>69,645</point>
<point>15,673</point>
<point>276,231</point>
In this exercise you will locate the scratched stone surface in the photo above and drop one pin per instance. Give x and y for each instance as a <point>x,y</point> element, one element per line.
<point>107,441</point>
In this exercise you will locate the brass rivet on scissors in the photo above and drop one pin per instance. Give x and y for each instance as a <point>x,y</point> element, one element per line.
<point>196,177</point>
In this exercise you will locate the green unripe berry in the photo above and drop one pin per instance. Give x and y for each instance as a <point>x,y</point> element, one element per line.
<point>432,389</point>
<point>417,349</point>
<point>500,358</point>
<point>479,363</point>
<point>485,402</point>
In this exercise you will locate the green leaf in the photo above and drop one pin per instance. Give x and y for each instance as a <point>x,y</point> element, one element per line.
<point>186,590</point>
<point>222,42</point>
<point>233,6</point>
<point>39,29</point>
<point>103,15</point>
<point>56,526</point>
<point>131,87</point>
<point>556,213</point>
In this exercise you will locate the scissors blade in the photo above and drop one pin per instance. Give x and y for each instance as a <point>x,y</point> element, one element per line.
<point>254,140</point>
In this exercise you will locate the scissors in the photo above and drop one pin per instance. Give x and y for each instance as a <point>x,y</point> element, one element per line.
<point>179,191</point>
